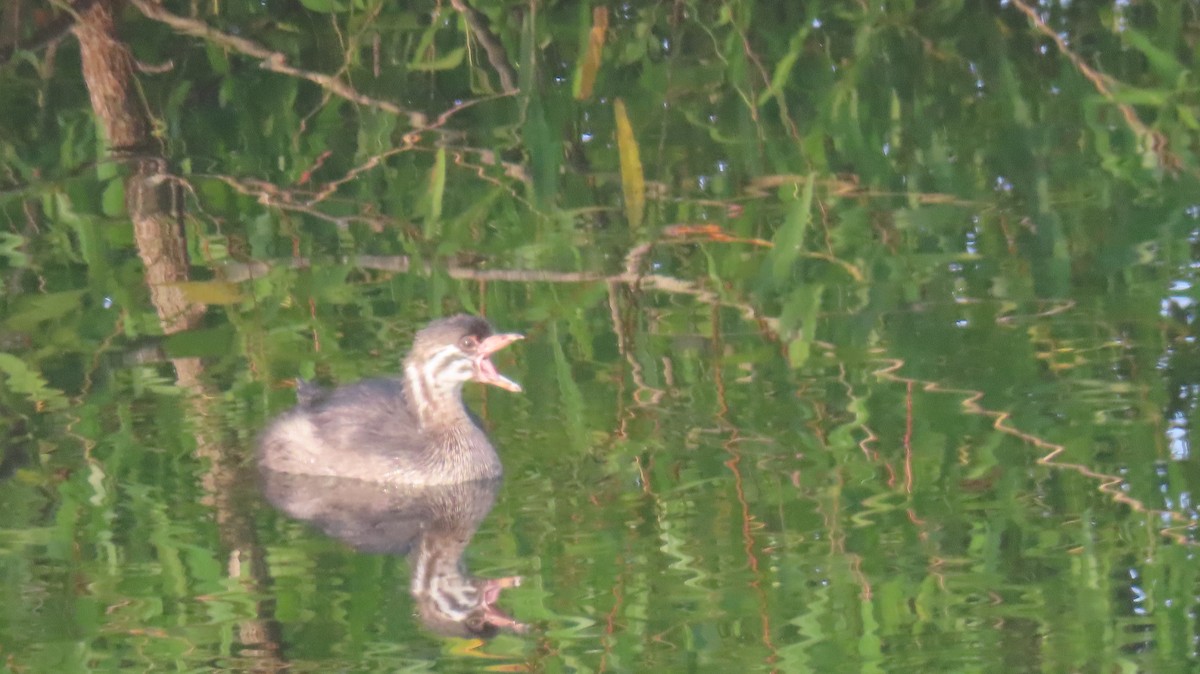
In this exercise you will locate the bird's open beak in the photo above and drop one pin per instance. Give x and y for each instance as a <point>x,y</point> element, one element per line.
<point>485,371</point>
<point>491,592</point>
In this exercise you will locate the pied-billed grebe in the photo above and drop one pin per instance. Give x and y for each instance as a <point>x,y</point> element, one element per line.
<point>412,430</point>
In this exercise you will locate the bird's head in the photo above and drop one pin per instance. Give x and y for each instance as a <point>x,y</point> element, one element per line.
<point>452,351</point>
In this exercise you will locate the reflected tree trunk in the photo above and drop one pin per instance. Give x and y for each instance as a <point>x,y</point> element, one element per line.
<point>152,198</point>
<point>153,201</point>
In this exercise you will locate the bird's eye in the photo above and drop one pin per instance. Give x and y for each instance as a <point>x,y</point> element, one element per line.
<point>468,343</point>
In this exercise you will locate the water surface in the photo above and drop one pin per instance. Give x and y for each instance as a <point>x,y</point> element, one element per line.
<point>858,339</point>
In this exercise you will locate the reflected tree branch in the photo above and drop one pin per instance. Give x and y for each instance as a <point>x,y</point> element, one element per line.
<point>1174,523</point>
<point>47,35</point>
<point>238,272</point>
<point>491,44</point>
<point>1152,141</point>
<point>271,60</point>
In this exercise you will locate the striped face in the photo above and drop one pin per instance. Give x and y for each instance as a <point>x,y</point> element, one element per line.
<point>454,603</point>
<point>452,351</point>
<point>447,367</point>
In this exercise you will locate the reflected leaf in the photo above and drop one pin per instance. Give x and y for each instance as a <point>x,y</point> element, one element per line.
<point>212,342</point>
<point>799,350</point>
<point>323,6</point>
<point>800,317</point>
<point>448,61</point>
<point>783,69</point>
<point>210,292</point>
<point>545,153</point>
<point>1168,68</point>
<point>633,181</point>
<point>1187,117</point>
<point>112,202</point>
<point>32,310</point>
<point>572,398</point>
<point>436,192</point>
<point>585,77</point>
<point>789,240</point>
<point>21,378</point>
<point>10,248</point>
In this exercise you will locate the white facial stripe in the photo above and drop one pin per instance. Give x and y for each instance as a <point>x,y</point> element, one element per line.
<point>439,358</point>
<point>447,360</point>
<point>418,578</point>
<point>440,581</point>
<point>418,387</point>
<point>439,377</point>
<point>453,598</point>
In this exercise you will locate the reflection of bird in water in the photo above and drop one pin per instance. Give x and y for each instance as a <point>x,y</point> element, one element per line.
<point>430,524</point>
<point>408,430</point>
